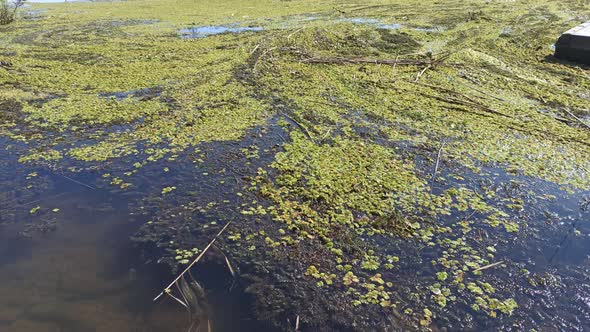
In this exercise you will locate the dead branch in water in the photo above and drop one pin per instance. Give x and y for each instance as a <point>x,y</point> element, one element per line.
<point>192,295</point>
<point>578,119</point>
<point>167,289</point>
<point>227,263</point>
<point>437,163</point>
<point>459,98</point>
<point>301,126</point>
<point>488,266</point>
<point>77,182</point>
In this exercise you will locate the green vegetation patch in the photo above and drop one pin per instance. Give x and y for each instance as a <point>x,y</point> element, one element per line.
<point>396,133</point>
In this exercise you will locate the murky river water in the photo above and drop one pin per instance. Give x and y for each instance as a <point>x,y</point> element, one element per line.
<point>75,268</point>
<point>71,266</point>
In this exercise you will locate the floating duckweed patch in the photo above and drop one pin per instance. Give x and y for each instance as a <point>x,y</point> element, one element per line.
<point>375,176</point>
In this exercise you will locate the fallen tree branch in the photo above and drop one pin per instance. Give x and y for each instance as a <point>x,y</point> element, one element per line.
<point>465,100</point>
<point>470,103</point>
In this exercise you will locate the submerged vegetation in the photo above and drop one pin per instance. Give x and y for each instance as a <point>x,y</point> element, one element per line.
<point>381,164</point>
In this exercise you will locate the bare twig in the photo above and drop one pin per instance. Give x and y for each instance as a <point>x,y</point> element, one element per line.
<point>326,135</point>
<point>391,62</point>
<point>294,32</point>
<point>480,91</point>
<point>229,267</point>
<point>422,72</point>
<point>465,100</point>
<point>396,60</point>
<point>78,182</point>
<point>437,163</point>
<point>283,138</point>
<point>184,301</point>
<point>488,266</point>
<point>178,300</point>
<point>261,56</point>
<point>254,49</point>
<point>301,126</point>
<point>578,119</point>
<point>167,289</point>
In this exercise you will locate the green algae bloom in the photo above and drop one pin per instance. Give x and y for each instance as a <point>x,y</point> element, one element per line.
<point>364,100</point>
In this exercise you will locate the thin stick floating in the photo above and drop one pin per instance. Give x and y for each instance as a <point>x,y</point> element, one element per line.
<point>578,119</point>
<point>78,182</point>
<point>437,162</point>
<point>488,266</point>
<point>193,262</point>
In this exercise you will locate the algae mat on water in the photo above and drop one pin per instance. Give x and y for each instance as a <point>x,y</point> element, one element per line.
<point>391,164</point>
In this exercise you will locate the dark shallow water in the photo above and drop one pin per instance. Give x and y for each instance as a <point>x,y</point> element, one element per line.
<point>206,31</point>
<point>77,270</point>
<point>547,263</point>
